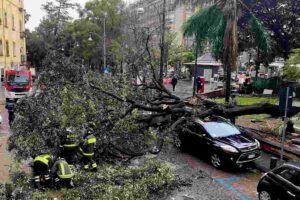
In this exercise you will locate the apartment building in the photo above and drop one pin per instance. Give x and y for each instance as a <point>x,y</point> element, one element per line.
<point>12,34</point>
<point>177,12</point>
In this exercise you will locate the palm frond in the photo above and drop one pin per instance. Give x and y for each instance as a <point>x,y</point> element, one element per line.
<point>206,24</point>
<point>261,35</point>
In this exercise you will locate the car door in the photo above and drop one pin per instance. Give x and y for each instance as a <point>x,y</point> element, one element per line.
<point>201,138</point>
<point>289,180</point>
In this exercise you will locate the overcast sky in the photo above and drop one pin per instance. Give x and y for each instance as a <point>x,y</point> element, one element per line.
<point>33,7</point>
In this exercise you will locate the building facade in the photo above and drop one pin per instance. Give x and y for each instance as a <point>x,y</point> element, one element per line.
<point>177,12</point>
<point>12,34</point>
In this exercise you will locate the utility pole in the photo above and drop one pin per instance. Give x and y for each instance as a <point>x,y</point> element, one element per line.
<point>195,71</point>
<point>104,41</point>
<point>284,124</point>
<point>162,45</point>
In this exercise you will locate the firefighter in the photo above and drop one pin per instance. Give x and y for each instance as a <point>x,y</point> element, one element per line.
<point>87,150</point>
<point>69,147</point>
<point>41,169</point>
<point>62,173</point>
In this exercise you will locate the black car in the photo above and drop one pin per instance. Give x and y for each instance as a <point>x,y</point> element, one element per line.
<point>281,183</point>
<point>222,141</point>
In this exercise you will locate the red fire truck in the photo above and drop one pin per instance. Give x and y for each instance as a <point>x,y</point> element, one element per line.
<point>18,83</point>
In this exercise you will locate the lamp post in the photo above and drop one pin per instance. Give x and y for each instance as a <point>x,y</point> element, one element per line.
<point>104,39</point>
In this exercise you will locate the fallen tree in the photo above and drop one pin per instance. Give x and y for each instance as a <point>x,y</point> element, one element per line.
<point>130,119</point>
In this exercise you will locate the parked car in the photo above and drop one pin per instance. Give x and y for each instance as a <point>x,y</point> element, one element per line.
<point>222,141</point>
<point>281,183</point>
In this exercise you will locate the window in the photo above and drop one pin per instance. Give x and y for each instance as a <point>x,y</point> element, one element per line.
<point>5,20</point>
<point>7,48</point>
<point>1,48</point>
<point>13,22</point>
<point>20,26</point>
<point>290,174</point>
<point>14,49</point>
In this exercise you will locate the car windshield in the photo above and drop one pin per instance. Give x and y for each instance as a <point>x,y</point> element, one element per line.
<point>220,129</point>
<point>18,79</point>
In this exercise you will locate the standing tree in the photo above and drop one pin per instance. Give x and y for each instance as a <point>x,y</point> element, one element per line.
<point>281,18</point>
<point>218,25</point>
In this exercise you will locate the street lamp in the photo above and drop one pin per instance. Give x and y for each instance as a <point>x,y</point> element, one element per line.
<point>104,39</point>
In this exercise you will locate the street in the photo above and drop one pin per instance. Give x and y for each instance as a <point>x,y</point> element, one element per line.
<point>237,184</point>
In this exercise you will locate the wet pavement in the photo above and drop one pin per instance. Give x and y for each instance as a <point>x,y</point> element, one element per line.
<point>240,184</point>
<point>5,157</point>
<point>184,88</point>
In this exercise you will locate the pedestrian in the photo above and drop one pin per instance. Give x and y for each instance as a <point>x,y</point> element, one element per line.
<point>174,82</point>
<point>233,104</point>
<point>69,147</point>
<point>41,169</point>
<point>199,84</point>
<point>10,106</point>
<point>62,173</point>
<point>87,150</point>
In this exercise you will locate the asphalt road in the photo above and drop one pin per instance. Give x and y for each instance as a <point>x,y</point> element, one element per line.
<point>208,183</point>
<point>237,183</point>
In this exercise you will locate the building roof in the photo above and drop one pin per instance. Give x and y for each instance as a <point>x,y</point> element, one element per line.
<point>206,59</point>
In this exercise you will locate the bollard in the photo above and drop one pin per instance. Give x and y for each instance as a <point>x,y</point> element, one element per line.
<point>273,162</point>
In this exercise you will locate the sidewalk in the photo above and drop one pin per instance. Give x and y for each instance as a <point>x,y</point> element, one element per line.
<point>184,88</point>
<point>5,157</point>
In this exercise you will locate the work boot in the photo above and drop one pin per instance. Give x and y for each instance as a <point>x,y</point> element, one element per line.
<point>95,169</point>
<point>71,184</point>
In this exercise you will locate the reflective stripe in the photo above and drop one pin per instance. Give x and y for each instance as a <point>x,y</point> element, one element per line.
<point>91,140</point>
<point>87,154</point>
<point>65,176</point>
<point>62,167</point>
<point>86,166</point>
<point>70,145</point>
<point>65,170</point>
<point>94,165</point>
<point>44,159</point>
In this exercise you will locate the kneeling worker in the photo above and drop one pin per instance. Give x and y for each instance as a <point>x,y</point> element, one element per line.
<point>62,173</point>
<point>41,169</point>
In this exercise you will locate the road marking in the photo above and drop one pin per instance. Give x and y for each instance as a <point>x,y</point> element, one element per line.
<point>223,181</point>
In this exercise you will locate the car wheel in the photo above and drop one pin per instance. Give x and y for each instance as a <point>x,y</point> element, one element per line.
<point>215,160</point>
<point>264,195</point>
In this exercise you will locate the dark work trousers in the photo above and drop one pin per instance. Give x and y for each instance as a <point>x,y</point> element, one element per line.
<point>40,172</point>
<point>88,160</point>
<point>199,87</point>
<point>69,154</point>
<point>174,85</point>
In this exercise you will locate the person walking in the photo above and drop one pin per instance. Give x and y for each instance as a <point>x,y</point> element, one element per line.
<point>198,84</point>
<point>174,82</point>
<point>62,174</point>
<point>41,169</point>
<point>87,151</point>
<point>233,104</point>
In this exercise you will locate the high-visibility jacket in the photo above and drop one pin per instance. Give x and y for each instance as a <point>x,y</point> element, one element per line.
<point>88,146</point>
<point>70,141</point>
<point>46,159</point>
<point>62,169</point>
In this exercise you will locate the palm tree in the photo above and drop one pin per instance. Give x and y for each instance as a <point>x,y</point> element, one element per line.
<point>218,24</point>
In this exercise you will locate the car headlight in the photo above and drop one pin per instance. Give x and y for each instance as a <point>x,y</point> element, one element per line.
<point>257,143</point>
<point>229,149</point>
